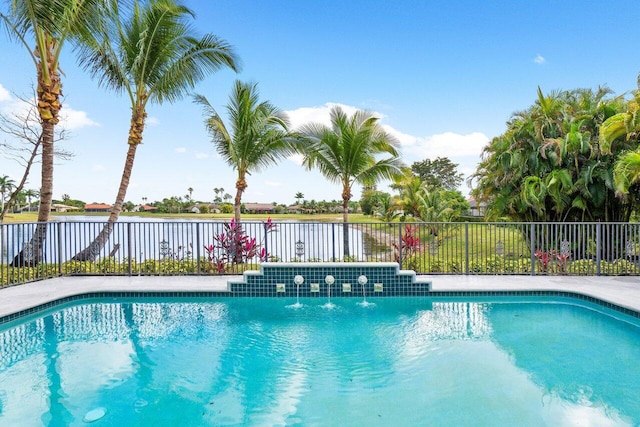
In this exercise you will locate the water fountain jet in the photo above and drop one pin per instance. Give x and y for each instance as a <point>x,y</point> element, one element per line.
<point>329,280</point>
<point>362,280</point>
<point>297,280</point>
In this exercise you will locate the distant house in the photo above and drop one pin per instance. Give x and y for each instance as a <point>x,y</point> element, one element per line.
<point>59,207</point>
<point>295,209</point>
<point>475,208</point>
<point>144,208</point>
<point>259,208</point>
<point>97,207</point>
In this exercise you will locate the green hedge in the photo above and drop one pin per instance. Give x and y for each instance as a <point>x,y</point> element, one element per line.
<point>495,264</point>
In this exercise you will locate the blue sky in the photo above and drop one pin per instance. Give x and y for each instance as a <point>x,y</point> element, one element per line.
<point>444,76</point>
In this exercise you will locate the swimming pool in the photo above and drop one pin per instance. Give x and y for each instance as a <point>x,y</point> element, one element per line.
<point>247,361</point>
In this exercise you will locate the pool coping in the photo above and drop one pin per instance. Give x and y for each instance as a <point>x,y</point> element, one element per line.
<point>615,291</point>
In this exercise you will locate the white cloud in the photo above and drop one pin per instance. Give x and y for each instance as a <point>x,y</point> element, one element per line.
<point>4,94</point>
<point>202,156</point>
<point>304,115</point>
<point>152,121</point>
<point>70,119</point>
<point>448,144</point>
<point>75,119</point>
<point>403,138</point>
<point>180,150</point>
<point>273,184</point>
<point>465,150</point>
<point>296,158</point>
<point>98,168</point>
<point>539,59</point>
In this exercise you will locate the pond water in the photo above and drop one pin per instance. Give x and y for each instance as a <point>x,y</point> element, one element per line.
<point>140,238</point>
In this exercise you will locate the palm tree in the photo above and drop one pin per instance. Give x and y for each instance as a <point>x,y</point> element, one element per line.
<point>627,171</point>
<point>346,153</point>
<point>619,128</point>
<point>218,192</point>
<point>299,196</point>
<point>29,194</point>
<point>386,208</point>
<point>410,188</point>
<point>50,24</point>
<point>549,164</point>
<point>6,184</point>
<point>257,136</point>
<point>153,56</point>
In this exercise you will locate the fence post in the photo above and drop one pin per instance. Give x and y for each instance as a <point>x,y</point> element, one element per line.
<point>466,247</point>
<point>598,247</point>
<point>266,242</point>
<point>333,241</point>
<point>532,247</point>
<point>400,244</point>
<point>129,248</point>
<point>198,244</point>
<point>59,248</point>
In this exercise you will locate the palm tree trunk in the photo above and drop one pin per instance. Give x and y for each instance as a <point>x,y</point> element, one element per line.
<point>236,206</point>
<point>241,185</point>
<point>346,196</point>
<point>48,108</point>
<point>91,252</point>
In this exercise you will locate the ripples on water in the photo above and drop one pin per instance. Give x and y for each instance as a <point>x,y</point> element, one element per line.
<point>402,361</point>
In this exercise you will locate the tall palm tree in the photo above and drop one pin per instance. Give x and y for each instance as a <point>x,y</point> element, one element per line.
<point>152,55</point>
<point>346,153</point>
<point>6,184</point>
<point>257,136</point>
<point>29,194</point>
<point>43,27</point>
<point>410,188</point>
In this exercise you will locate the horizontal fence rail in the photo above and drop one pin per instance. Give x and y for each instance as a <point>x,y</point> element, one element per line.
<point>31,251</point>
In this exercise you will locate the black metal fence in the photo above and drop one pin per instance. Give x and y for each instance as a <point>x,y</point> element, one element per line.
<point>201,248</point>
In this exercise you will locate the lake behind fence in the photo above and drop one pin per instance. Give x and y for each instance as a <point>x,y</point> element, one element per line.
<point>174,247</point>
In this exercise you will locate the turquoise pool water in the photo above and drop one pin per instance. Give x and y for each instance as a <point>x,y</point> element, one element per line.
<point>400,362</point>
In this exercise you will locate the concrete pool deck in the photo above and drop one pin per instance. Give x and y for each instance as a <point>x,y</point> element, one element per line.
<point>623,291</point>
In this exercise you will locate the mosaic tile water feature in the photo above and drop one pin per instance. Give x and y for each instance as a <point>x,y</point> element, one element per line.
<point>341,279</point>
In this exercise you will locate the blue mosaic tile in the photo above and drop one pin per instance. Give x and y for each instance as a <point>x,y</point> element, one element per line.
<point>262,283</point>
<point>396,282</point>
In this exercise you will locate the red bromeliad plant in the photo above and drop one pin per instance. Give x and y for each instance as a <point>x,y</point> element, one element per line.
<point>409,244</point>
<point>547,259</point>
<point>235,246</point>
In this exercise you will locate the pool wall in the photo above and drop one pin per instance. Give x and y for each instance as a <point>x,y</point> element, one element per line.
<point>341,279</point>
<point>436,295</point>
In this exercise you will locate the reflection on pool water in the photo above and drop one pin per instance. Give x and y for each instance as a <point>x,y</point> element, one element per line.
<point>243,361</point>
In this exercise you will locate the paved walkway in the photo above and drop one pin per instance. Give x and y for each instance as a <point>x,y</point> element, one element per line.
<point>620,290</point>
